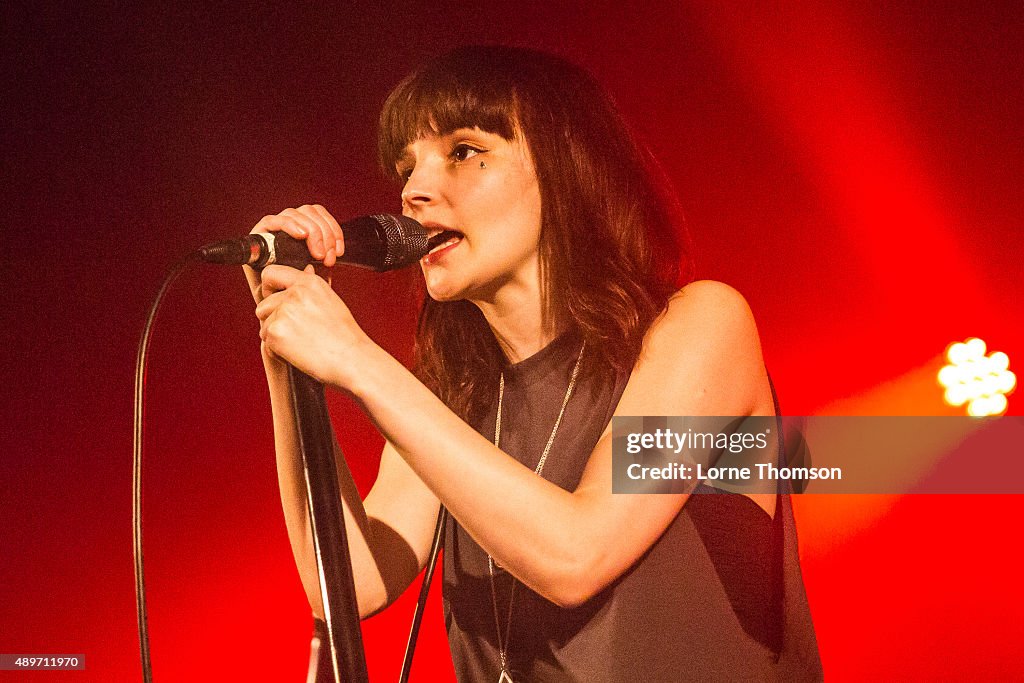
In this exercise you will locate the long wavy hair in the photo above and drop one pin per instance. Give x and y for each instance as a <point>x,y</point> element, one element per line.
<point>612,242</point>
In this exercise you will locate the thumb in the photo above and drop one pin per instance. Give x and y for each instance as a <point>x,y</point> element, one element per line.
<point>318,269</point>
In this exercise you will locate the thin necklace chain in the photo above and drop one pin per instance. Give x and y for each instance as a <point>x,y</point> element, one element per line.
<point>503,642</point>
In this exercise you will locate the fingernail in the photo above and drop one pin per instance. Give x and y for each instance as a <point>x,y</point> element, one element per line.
<point>337,246</point>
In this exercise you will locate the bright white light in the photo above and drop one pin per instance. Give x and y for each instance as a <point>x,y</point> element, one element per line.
<point>999,361</point>
<point>976,347</point>
<point>957,353</point>
<point>949,375</point>
<point>1007,381</point>
<point>957,395</point>
<point>980,381</point>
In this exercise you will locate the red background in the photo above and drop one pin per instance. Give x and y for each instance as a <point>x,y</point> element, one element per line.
<point>853,168</point>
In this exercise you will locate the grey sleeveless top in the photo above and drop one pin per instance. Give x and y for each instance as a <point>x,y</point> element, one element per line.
<point>667,618</point>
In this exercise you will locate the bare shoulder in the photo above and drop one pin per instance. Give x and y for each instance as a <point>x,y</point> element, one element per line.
<point>703,354</point>
<point>712,303</point>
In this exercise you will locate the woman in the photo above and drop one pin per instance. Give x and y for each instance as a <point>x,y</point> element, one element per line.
<point>552,306</point>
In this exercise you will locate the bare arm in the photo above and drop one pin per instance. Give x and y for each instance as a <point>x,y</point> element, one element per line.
<point>388,536</point>
<point>701,358</point>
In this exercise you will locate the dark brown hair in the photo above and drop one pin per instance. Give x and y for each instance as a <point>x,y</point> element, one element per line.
<point>611,242</point>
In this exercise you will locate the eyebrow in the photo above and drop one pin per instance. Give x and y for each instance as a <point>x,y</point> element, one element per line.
<point>454,133</point>
<point>405,156</point>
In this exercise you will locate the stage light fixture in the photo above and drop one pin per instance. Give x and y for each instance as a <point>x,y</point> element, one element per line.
<point>982,382</point>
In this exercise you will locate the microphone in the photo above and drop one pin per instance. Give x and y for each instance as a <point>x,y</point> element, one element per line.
<point>379,242</point>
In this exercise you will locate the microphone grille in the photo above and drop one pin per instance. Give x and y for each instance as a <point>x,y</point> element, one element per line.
<point>404,238</point>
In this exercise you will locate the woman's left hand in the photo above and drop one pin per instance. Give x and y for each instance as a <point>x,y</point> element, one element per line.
<point>305,323</point>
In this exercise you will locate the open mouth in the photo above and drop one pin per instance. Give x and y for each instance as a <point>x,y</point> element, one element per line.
<point>443,240</point>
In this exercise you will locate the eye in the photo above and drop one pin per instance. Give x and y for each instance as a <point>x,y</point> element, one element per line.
<point>464,151</point>
<point>404,173</point>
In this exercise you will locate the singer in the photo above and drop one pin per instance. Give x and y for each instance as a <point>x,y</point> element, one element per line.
<point>555,302</point>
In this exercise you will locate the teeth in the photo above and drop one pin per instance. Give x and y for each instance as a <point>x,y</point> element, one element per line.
<point>448,243</point>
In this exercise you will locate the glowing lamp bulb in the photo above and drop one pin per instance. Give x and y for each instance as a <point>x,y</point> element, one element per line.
<point>980,381</point>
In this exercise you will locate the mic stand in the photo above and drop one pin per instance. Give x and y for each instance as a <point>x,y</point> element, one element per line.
<point>327,522</point>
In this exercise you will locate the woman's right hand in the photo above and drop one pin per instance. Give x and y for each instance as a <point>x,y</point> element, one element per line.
<point>309,222</point>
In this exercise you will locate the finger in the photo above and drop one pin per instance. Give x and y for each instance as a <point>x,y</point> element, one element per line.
<point>265,330</point>
<point>281,223</point>
<point>276,278</point>
<point>330,240</point>
<point>269,304</point>
<point>326,231</point>
<point>339,235</point>
<point>266,291</point>
<point>311,214</point>
<point>315,241</point>
<point>270,352</point>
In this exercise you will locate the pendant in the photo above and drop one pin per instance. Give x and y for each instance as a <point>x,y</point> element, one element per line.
<point>504,677</point>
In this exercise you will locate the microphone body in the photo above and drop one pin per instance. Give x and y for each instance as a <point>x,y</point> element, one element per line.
<point>379,242</point>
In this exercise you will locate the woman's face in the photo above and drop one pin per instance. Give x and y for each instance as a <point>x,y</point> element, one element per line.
<point>484,188</point>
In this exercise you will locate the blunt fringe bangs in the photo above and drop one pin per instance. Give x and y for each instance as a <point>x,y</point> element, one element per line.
<point>613,248</point>
<point>466,93</point>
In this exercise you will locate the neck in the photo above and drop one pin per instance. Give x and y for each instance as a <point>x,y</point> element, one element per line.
<point>516,318</point>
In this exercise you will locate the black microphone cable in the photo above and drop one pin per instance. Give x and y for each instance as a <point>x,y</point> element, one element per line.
<point>421,602</point>
<point>140,387</point>
<point>385,242</point>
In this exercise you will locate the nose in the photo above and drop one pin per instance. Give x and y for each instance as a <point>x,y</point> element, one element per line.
<point>421,189</point>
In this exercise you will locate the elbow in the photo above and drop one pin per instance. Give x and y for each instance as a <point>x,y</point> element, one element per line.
<point>371,595</point>
<point>571,597</point>
<point>368,603</point>
<point>368,606</point>
<point>577,592</point>
<point>575,584</point>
